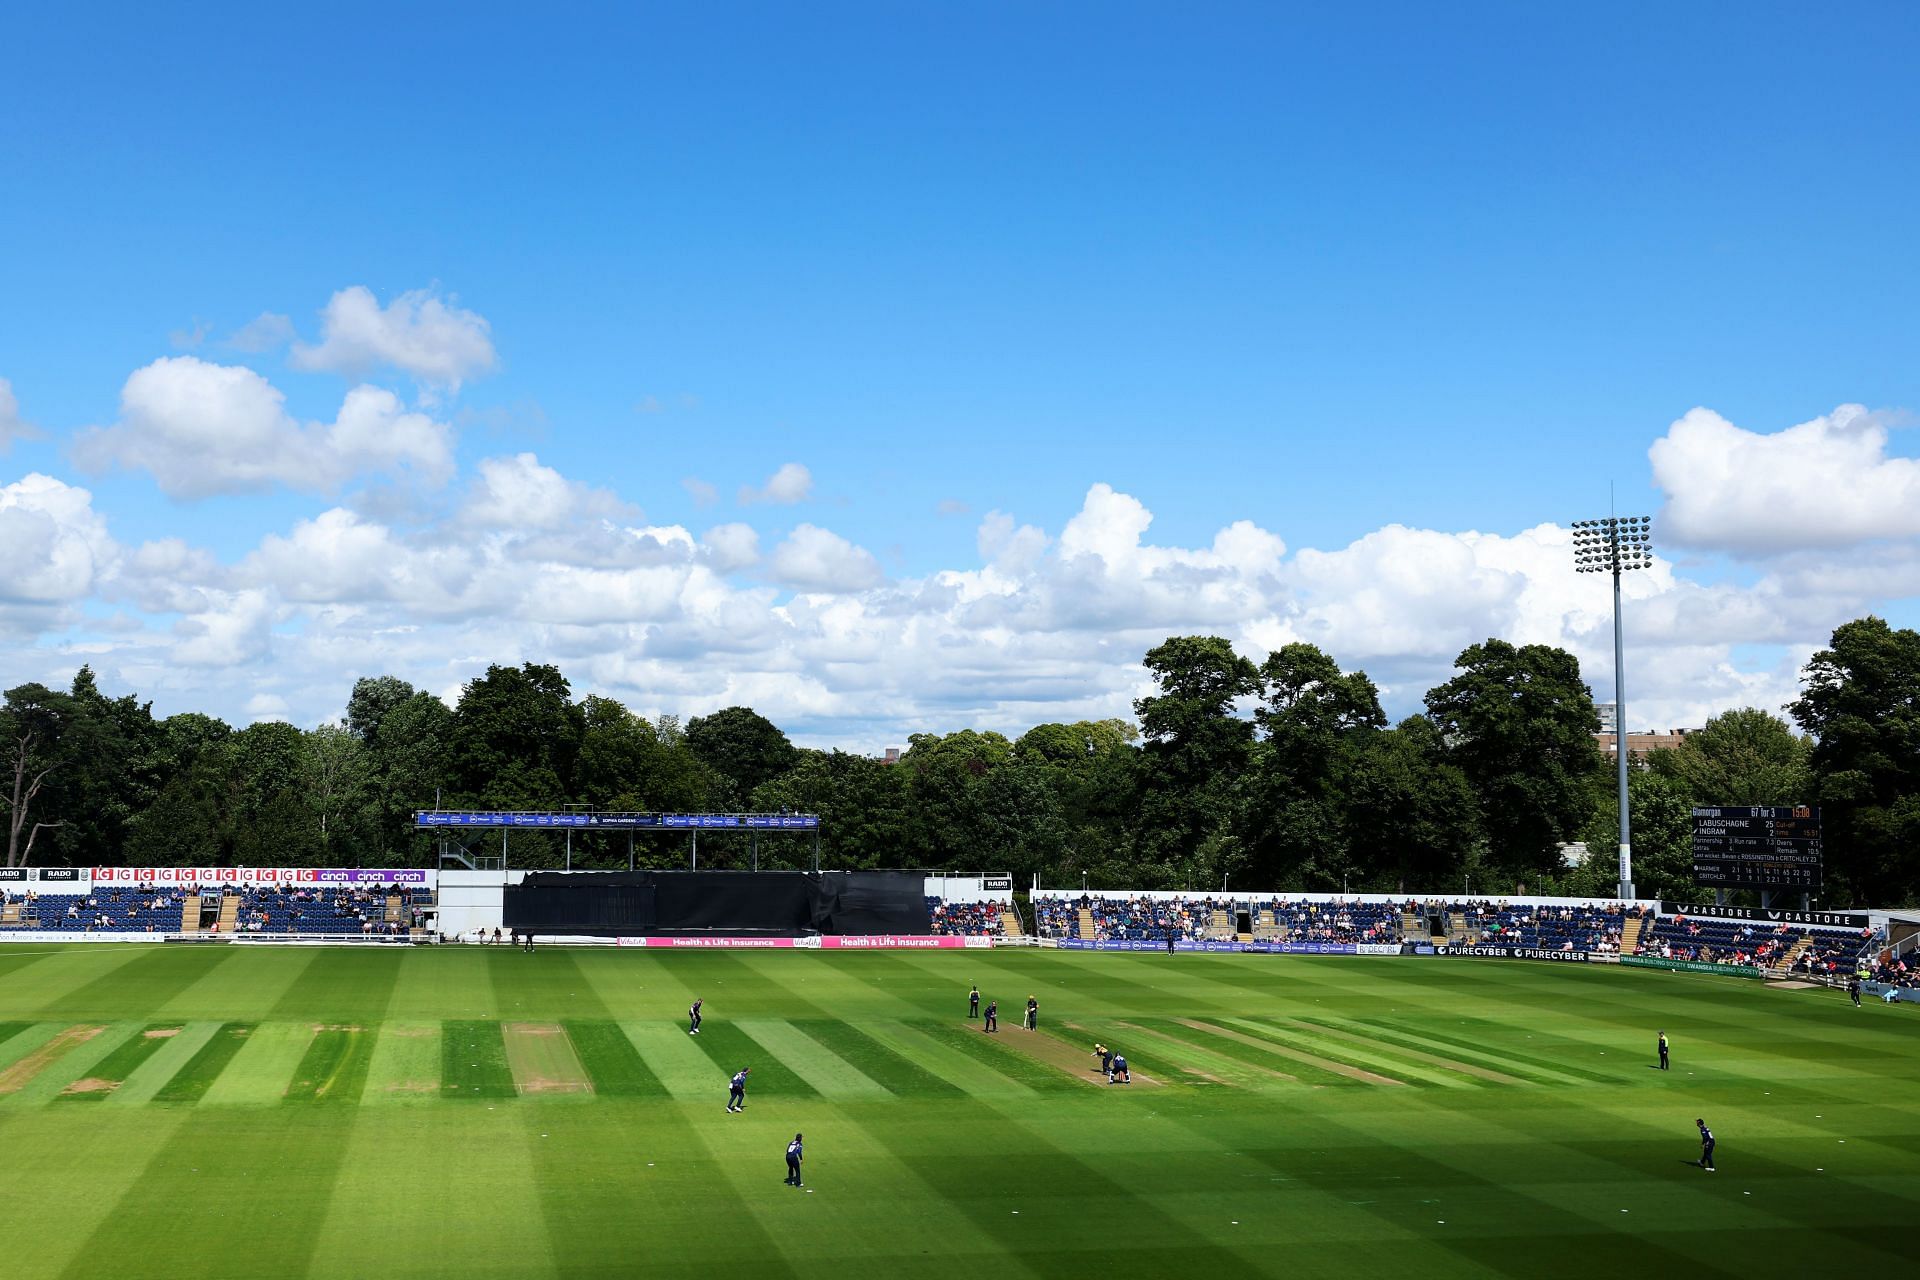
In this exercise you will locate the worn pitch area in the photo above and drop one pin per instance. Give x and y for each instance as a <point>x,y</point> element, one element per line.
<point>472,1112</point>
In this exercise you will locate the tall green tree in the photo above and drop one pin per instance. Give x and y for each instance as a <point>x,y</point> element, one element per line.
<point>111,745</point>
<point>1413,820</point>
<point>863,809</point>
<point>1861,702</point>
<point>741,746</point>
<point>1197,748</point>
<point>1519,722</point>
<point>192,821</point>
<point>1316,723</point>
<point>34,733</point>
<point>273,821</point>
<point>372,700</point>
<point>516,736</point>
<point>410,750</point>
<point>1092,769</point>
<point>946,778</point>
<point>189,821</point>
<point>341,790</point>
<point>1744,757</point>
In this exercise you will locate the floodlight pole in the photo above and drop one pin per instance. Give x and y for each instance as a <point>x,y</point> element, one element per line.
<point>1620,740</point>
<point>1615,545</point>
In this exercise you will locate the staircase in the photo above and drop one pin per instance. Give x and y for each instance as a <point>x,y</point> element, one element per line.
<point>1457,926</point>
<point>1221,926</point>
<point>229,913</point>
<point>1412,925</point>
<point>1630,936</point>
<point>1010,924</point>
<point>1784,965</point>
<point>396,909</point>
<point>190,914</point>
<point>10,916</point>
<point>1086,925</point>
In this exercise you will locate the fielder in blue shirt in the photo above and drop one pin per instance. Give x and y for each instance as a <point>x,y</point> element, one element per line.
<point>693,1018</point>
<point>793,1163</point>
<point>1706,1146</point>
<point>737,1091</point>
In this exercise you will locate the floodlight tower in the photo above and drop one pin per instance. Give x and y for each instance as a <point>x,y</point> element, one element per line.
<point>1616,545</point>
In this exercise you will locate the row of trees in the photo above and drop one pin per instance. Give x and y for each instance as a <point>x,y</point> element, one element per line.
<point>1284,773</point>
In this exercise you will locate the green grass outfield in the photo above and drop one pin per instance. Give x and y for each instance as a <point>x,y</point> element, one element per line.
<point>223,1111</point>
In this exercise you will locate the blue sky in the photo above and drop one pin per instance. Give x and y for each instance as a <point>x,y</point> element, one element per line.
<point>1324,273</point>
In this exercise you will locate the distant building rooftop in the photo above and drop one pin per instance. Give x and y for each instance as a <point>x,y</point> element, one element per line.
<point>1643,742</point>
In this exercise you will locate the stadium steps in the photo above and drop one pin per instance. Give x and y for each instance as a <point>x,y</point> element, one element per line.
<point>1456,926</point>
<point>229,913</point>
<point>1010,924</point>
<point>1411,924</point>
<point>396,909</point>
<point>10,916</point>
<point>1086,924</point>
<point>190,914</point>
<point>1784,965</point>
<point>1630,937</point>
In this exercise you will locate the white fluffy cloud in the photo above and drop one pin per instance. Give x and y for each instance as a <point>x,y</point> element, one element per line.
<point>1044,623</point>
<point>790,484</point>
<point>58,551</point>
<point>203,429</point>
<point>418,333</point>
<point>731,546</point>
<point>1825,483</point>
<point>520,493</point>
<point>816,559</point>
<point>12,425</point>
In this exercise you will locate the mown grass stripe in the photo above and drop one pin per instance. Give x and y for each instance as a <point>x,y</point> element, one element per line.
<point>138,1088</point>
<point>729,1049</point>
<point>108,1073</point>
<point>974,1077</point>
<point>877,1062</point>
<point>1019,1068</point>
<point>264,1067</point>
<point>334,1067</point>
<point>1319,1069</point>
<point>473,1060</point>
<point>67,1058</point>
<point>191,1082</point>
<point>1552,1065</point>
<point>674,1056</point>
<point>1222,1055</point>
<point>611,1061</point>
<point>256,1161</point>
<point>405,1067</point>
<point>32,1068</point>
<point>8,1030</point>
<point>1414,1067</point>
<point>1379,1062</point>
<point>147,978</point>
<point>835,1077</point>
<point>1488,1060</point>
